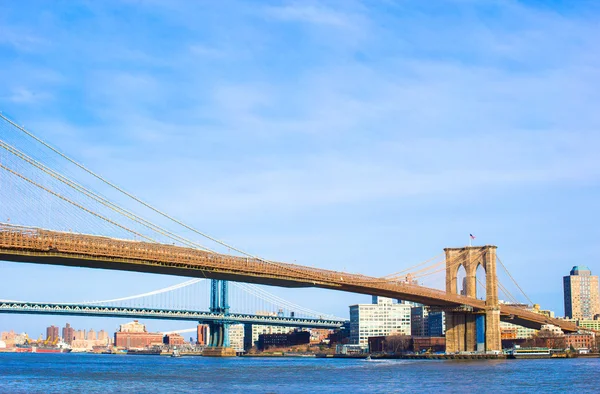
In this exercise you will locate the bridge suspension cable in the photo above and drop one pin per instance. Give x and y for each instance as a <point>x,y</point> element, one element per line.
<point>410,276</point>
<point>127,298</point>
<point>248,289</point>
<point>455,263</point>
<point>399,273</point>
<point>265,295</point>
<point>138,200</point>
<point>514,281</point>
<point>407,278</point>
<point>508,295</point>
<point>94,196</point>
<point>148,294</point>
<point>76,204</point>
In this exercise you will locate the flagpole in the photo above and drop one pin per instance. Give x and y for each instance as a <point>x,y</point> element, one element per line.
<point>470,240</point>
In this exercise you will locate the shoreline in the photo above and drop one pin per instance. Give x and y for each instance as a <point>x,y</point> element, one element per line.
<point>355,356</point>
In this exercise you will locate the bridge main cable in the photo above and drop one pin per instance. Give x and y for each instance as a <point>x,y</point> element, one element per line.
<point>136,199</point>
<point>76,204</point>
<point>89,193</point>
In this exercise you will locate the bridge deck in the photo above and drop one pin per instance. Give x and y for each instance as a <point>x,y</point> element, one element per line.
<point>158,313</point>
<point>32,245</point>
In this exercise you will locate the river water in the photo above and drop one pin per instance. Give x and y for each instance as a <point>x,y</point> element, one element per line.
<point>60,373</point>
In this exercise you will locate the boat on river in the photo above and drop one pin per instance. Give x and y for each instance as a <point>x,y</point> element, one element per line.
<point>529,352</point>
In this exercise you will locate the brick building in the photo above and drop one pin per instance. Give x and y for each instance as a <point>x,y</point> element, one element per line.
<point>580,340</point>
<point>52,334</point>
<point>434,344</point>
<point>134,335</point>
<point>202,334</point>
<point>68,333</point>
<point>173,339</point>
<point>404,343</point>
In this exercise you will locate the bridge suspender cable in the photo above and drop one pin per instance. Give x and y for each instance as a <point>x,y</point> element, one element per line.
<point>395,280</point>
<point>277,301</point>
<point>423,271</point>
<point>133,297</point>
<point>510,297</point>
<point>454,262</point>
<point>399,273</point>
<point>76,204</point>
<point>119,189</point>
<point>81,189</point>
<point>514,281</point>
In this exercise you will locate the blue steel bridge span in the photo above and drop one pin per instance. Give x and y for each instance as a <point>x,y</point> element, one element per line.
<point>163,314</point>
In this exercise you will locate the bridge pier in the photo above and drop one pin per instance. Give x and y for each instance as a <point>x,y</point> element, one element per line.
<point>218,343</point>
<point>468,330</point>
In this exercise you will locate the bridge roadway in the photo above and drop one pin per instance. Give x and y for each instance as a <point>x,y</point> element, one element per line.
<point>38,308</point>
<point>34,245</point>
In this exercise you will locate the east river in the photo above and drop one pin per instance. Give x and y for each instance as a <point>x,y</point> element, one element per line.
<point>60,373</point>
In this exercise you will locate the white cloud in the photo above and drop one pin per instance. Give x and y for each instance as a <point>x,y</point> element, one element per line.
<point>310,13</point>
<point>23,95</point>
<point>207,51</point>
<point>21,39</point>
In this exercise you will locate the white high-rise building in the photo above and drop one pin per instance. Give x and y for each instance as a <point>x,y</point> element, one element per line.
<point>252,331</point>
<point>383,317</point>
<point>236,337</point>
<point>581,294</point>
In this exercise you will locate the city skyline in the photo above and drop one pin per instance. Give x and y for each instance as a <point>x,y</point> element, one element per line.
<point>389,141</point>
<point>44,331</point>
<point>594,304</point>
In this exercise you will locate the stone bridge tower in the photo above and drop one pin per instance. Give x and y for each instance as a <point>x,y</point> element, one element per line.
<point>466,329</point>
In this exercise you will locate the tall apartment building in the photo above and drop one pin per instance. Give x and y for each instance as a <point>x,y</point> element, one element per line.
<point>419,321</point>
<point>437,324</point>
<point>103,336</point>
<point>236,337</point>
<point>425,323</point>
<point>52,334</point>
<point>80,335</point>
<point>68,333</point>
<point>581,294</point>
<point>383,317</point>
<point>202,335</point>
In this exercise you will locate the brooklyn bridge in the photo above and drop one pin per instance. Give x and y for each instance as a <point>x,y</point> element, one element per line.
<point>50,216</point>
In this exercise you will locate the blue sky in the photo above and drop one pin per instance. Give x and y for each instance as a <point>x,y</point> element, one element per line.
<point>356,135</point>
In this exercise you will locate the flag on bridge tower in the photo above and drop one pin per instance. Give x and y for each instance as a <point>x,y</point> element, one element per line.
<point>471,237</point>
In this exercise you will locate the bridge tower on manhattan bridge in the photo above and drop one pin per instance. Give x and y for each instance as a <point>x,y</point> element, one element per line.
<point>467,329</point>
<point>219,303</point>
